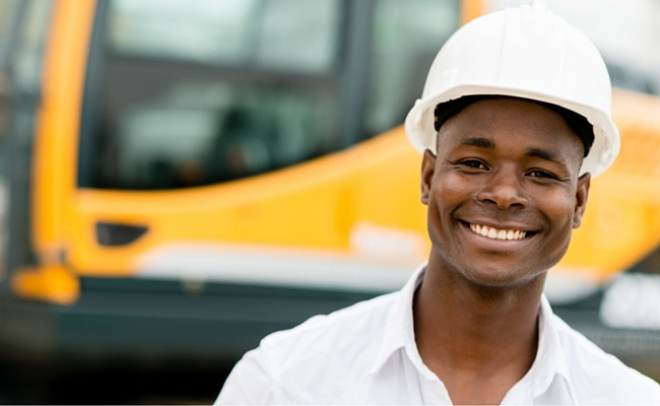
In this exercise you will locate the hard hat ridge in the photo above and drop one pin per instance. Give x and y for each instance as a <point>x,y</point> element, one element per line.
<point>525,52</point>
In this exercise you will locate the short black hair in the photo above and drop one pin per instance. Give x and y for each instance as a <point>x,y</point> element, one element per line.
<point>577,122</point>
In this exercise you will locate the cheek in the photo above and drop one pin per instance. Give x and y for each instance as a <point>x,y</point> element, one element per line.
<point>559,207</point>
<point>445,195</point>
<point>452,189</point>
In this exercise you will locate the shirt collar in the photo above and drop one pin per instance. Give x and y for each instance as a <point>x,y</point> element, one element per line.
<point>550,358</point>
<point>399,333</point>
<point>399,330</point>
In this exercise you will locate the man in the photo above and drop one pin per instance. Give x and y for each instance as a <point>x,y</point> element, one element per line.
<point>513,123</point>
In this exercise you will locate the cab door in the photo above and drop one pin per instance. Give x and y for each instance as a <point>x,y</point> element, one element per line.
<point>200,142</point>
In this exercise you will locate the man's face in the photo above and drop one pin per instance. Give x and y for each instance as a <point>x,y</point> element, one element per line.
<point>507,168</point>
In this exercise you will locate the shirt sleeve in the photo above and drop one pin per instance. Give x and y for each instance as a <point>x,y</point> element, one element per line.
<point>249,383</point>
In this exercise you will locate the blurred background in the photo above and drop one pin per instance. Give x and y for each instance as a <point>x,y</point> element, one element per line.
<point>180,178</point>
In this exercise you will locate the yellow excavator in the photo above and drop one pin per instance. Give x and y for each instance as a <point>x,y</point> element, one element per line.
<point>185,180</point>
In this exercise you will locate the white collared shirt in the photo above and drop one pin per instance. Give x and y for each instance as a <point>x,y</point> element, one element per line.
<point>366,354</point>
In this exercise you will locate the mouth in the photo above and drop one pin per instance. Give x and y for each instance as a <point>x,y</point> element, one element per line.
<point>499,234</point>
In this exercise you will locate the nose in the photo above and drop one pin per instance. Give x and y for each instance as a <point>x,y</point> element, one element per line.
<point>504,189</point>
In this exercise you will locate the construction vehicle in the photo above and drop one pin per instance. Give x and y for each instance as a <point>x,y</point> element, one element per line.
<point>183,180</point>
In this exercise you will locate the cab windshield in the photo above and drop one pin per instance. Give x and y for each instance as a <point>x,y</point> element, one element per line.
<point>179,96</point>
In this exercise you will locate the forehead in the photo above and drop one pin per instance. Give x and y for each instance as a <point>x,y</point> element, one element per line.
<point>511,124</point>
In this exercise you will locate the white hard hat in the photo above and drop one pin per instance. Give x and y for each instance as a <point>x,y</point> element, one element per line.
<point>525,52</point>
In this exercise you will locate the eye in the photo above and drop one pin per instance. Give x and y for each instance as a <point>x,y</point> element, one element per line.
<point>474,164</point>
<point>537,173</point>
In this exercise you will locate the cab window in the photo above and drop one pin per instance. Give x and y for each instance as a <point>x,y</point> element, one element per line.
<point>182,96</point>
<point>407,35</point>
<point>179,96</point>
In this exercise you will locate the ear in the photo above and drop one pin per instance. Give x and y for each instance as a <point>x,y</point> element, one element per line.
<point>428,167</point>
<point>581,196</point>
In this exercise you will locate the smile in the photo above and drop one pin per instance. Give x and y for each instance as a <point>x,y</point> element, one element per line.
<point>497,234</point>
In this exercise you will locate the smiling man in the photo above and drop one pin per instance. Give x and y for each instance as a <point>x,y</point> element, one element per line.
<point>513,122</point>
<point>504,195</point>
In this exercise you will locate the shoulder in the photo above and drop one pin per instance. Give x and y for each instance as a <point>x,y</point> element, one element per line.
<point>315,361</point>
<point>344,330</point>
<point>598,377</point>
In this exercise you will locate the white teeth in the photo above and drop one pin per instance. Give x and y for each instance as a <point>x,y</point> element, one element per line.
<point>496,234</point>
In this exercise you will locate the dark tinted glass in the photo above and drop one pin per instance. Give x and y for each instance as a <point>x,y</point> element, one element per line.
<point>407,36</point>
<point>185,96</point>
<point>180,95</point>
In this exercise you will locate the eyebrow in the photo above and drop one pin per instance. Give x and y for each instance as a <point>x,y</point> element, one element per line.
<point>478,142</point>
<point>543,154</point>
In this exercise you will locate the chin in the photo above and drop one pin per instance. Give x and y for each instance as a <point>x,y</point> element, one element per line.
<point>501,278</point>
<point>502,274</point>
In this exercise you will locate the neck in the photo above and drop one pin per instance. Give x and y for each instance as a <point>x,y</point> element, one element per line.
<point>468,333</point>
